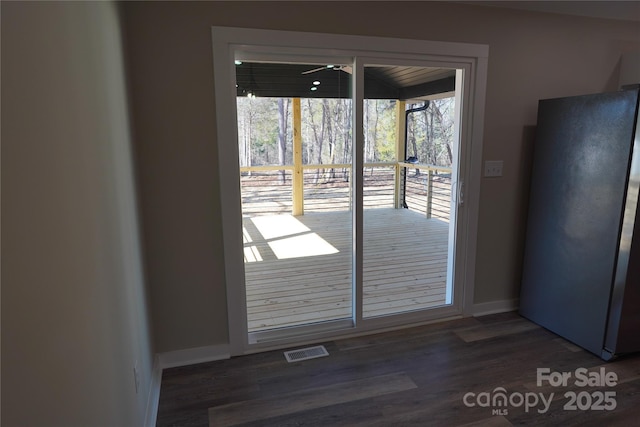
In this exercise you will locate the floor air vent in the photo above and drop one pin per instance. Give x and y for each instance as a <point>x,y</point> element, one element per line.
<point>306,353</point>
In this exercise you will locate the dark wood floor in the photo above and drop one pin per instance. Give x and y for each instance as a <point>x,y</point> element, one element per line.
<point>414,377</point>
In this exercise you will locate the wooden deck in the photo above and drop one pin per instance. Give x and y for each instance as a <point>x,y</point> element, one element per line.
<point>298,269</point>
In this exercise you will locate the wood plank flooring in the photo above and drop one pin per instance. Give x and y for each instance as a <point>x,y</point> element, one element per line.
<point>413,377</point>
<point>298,269</point>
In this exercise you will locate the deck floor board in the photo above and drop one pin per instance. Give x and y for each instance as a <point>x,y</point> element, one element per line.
<point>405,266</point>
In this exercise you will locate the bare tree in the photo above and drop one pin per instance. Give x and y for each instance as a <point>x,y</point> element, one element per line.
<point>318,135</point>
<point>283,107</point>
<point>346,132</point>
<point>330,134</point>
<point>245,127</point>
<point>445,125</point>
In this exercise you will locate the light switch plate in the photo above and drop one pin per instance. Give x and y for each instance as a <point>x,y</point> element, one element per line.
<point>493,168</point>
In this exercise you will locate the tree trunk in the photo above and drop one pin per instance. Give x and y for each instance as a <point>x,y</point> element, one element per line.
<point>346,158</point>
<point>331,137</point>
<point>412,140</point>
<point>250,139</point>
<point>440,118</point>
<point>373,154</point>
<point>430,149</point>
<point>318,135</point>
<point>282,136</point>
<point>365,131</point>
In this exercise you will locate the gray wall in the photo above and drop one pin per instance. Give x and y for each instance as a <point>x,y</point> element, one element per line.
<point>74,316</point>
<point>532,56</point>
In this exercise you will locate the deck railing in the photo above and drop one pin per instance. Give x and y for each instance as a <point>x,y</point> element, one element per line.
<point>322,188</point>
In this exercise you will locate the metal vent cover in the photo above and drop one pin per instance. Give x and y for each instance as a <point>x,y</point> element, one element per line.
<point>305,353</point>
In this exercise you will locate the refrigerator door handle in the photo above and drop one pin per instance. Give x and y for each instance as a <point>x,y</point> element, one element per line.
<point>460,193</point>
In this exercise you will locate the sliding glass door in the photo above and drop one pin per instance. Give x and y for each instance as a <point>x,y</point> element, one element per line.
<point>297,163</point>
<point>295,154</point>
<point>409,166</point>
<point>341,179</point>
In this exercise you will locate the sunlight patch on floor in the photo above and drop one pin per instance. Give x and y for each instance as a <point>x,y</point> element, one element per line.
<point>301,246</point>
<point>286,236</point>
<point>274,226</point>
<point>252,254</point>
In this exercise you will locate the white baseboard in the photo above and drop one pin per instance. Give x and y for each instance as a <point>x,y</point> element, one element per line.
<point>153,400</point>
<point>191,356</point>
<point>494,307</point>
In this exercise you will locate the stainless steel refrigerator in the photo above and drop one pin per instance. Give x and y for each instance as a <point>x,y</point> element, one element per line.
<point>581,271</point>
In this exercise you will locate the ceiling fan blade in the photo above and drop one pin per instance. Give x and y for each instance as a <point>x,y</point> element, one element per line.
<point>345,68</point>
<point>313,71</point>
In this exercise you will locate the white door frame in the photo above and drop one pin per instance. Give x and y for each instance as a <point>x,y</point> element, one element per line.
<point>471,61</point>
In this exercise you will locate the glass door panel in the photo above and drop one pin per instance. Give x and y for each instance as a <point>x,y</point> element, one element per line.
<point>409,161</point>
<point>294,142</point>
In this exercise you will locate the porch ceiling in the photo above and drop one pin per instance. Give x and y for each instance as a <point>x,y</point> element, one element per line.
<point>295,80</point>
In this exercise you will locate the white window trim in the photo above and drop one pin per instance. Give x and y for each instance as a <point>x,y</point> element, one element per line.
<point>228,41</point>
